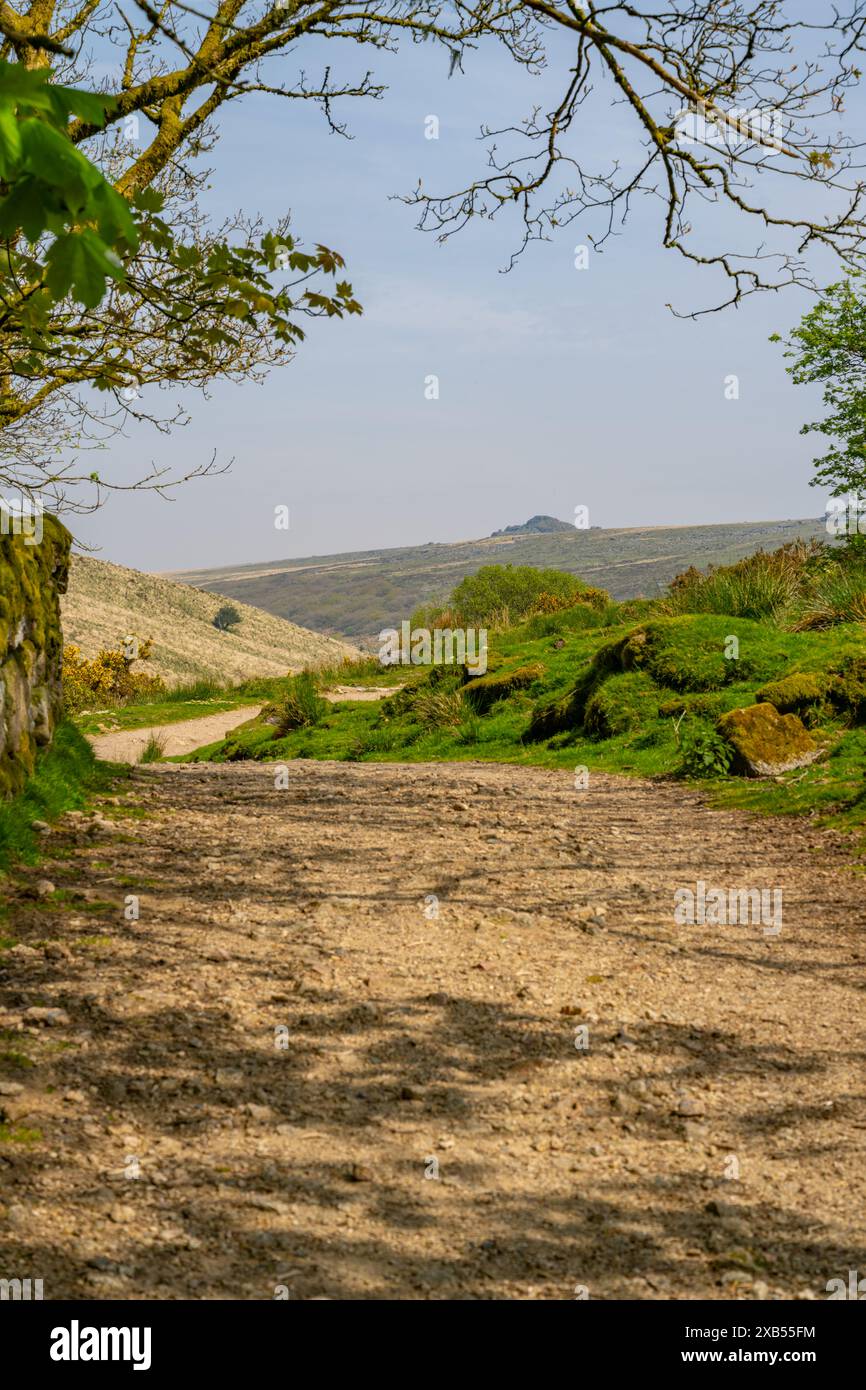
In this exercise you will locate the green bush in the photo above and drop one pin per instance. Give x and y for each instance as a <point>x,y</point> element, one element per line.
<point>227,617</point>
<point>499,595</point>
<point>704,753</point>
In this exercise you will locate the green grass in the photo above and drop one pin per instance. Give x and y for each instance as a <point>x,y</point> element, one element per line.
<point>153,749</point>
<point>66,775</point>
<point>139,715</point>
<point>628,690</point>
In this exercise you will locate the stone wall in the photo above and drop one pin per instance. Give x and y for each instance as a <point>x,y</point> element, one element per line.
<point>34,567</point>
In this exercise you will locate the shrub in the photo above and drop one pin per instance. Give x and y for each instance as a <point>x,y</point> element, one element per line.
<point>498,595</point>
<point>548,602</point>
<point>226,617</point>
<point>108,678</point>
<point>704,753</point>
<point>300,707</point>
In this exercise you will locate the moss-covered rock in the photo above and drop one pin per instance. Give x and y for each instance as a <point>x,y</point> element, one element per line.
<point>795,693</point>
<point>485,690</point>
<point>622,702</point>
<point>765,742</point>
<point>847,691</point>
<point>33,574</point>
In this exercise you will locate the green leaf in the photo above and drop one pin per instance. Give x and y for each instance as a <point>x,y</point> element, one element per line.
<point>148,200</point>
<point>79,263</point>
<point>25,208</point>
<point>18,83</point>
<point>115,221</point>
<point>48,153</point>
<point>91,107</point>
<point>10,143</point>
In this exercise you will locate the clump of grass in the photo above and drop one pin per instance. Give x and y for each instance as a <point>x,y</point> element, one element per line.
<point>838,596</point>
<point>154,749</point>
<point>349,672</point>
<point>439,709</point>
<point>470,730</point>
<point>803,587</point>
<point>205,688</point>
<point>383,738</point>
<point>764,585</point>
<point>301,706</point>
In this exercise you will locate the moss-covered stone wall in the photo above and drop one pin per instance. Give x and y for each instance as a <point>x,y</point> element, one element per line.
<point>33,574</point>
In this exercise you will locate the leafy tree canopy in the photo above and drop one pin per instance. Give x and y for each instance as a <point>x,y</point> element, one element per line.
<point>829,346</point>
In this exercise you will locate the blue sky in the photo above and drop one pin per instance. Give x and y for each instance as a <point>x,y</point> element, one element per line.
<point>558,387</point>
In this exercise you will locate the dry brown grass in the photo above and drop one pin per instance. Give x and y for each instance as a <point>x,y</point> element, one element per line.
<point>107,602</point>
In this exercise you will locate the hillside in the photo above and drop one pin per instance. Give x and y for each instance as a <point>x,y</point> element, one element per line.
<point>105,602</point>
<point>357,594</point>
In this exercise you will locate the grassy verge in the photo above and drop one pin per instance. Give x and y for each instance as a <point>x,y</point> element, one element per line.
<point>620,691</point>
<point>66,774</point>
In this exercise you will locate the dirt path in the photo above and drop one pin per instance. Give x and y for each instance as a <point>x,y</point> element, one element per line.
<point>339,693</point>
<point>251,1088</point>
<point>127,745</point>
